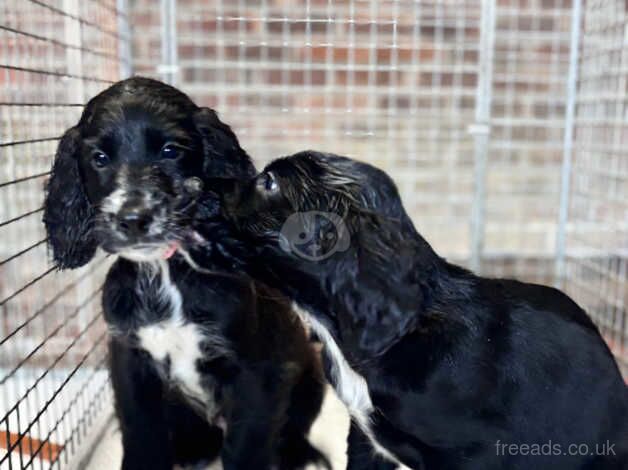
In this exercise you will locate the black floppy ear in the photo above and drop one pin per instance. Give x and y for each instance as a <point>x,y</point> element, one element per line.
<point>68,214</point>
<point>223,156</point>
<point>381,319</point>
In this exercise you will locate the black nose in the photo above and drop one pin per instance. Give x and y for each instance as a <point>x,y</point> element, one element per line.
<point>133,222</point>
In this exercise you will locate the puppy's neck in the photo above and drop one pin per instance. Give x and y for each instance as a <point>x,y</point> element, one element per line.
<point>367,300</point>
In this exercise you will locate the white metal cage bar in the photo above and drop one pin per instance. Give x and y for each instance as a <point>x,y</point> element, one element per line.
<point>524,161</point>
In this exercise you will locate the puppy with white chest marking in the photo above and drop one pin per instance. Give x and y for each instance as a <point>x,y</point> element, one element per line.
<point>439,368</point>
<point>203,362</point>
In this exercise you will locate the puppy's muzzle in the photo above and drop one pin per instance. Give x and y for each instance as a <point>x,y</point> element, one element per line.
<point>133,222</point>
<point>134,218</point>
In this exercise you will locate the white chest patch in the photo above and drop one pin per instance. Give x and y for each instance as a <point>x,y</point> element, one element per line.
<point>350,386</point>
<point>176,344</point>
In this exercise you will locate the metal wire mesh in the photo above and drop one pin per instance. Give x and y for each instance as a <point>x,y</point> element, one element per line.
<point>394,82</point>
<point>526,141</point>
<point>398,83</point>
<point>391,82</point>
<point>596,272</point>
<point>54,55</point>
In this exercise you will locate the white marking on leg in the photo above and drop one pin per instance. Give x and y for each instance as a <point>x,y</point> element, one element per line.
<point>350,386</point>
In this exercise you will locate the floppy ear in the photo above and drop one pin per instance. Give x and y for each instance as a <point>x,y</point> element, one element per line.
<point>68,214</point>
<point>223,156</point>
<point>381,319</point>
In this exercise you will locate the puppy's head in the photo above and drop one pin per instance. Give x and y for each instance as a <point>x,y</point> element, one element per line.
<point>312,197</point>
<point>333,234</point>
<point>127,175</point>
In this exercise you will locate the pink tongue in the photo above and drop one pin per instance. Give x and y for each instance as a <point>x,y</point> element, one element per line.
<point>171,250</point>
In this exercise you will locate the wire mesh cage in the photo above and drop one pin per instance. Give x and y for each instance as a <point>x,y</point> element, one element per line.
<point>53,384</point>
<point>400,84</point>
<point>596,240</point>
<point>504,124</point>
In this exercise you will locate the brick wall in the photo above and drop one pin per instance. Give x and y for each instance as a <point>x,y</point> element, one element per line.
<point>392,83</point>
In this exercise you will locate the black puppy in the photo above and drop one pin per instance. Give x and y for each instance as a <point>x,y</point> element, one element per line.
<point>201,361</point>
<point>439,368</point>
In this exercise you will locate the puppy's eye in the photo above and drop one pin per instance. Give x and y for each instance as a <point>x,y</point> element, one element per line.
<point>268,182</point>
<point>171,151</point>
<point>100,159</point>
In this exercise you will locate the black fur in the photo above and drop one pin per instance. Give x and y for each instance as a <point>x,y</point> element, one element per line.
<point>265,377</point>
<point>69,219</point>
<point>456,364</point>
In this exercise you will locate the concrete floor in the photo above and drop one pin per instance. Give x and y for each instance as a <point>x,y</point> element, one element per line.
<point>328,434</point>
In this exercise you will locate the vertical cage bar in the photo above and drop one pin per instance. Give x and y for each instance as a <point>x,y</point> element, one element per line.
<point>124,46</point>
<point>565,177</point>
<point>73,35</point>
<point>481,129</point>
<point>596,233</point>
<point>169,67</point>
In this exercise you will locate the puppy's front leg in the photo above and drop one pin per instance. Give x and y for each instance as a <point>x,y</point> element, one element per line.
<point>139,406</point>
<point>247,446</point>
<point>251,433</point>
